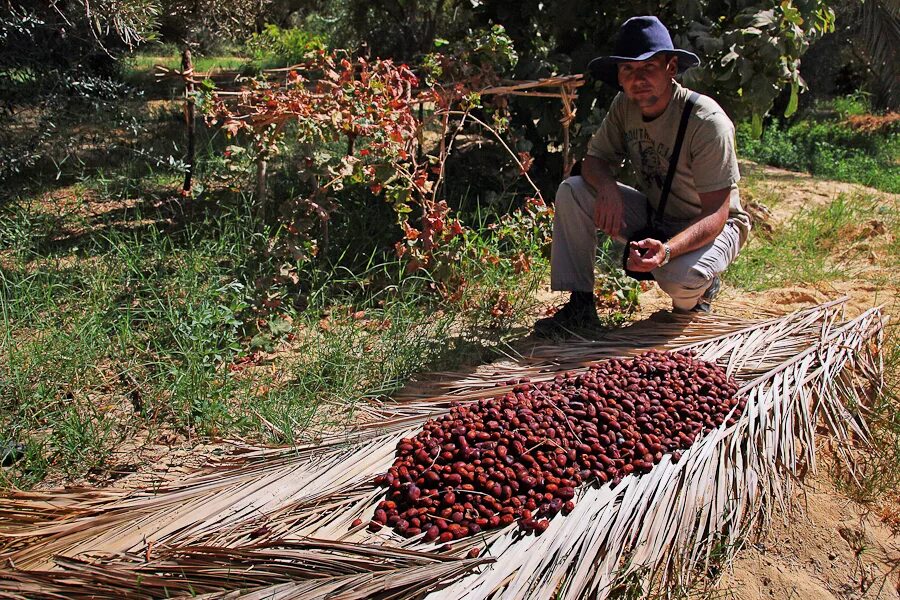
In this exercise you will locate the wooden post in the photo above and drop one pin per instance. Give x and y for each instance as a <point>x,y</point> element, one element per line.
<point>187,68</point>
<point>261,168</point>
<point>566,94</point>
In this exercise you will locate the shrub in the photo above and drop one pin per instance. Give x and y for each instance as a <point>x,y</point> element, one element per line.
<point>277,47</point>
<point>831,148</point>
<point>850,105</point>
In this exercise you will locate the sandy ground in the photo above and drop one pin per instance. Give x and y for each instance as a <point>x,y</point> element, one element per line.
<point>827,548</point>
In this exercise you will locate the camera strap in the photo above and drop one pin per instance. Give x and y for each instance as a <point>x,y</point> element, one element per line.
<point>673,161</point>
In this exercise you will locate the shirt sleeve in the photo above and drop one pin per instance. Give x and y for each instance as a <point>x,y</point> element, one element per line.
<point>713,157</point>
<point>608,142</point>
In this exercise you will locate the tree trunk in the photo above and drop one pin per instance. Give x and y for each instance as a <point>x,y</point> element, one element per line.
<point>261,168</point>
<point>187,68</point>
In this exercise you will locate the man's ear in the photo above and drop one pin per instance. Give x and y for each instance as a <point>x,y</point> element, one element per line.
<point>672,66</point>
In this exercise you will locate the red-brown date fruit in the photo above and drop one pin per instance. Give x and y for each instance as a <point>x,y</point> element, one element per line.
<point>521,454</point>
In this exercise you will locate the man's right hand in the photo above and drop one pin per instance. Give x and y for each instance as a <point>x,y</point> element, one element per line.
<point>609,211</point>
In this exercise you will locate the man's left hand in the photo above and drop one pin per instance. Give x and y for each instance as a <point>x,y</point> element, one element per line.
<point>646,255</point>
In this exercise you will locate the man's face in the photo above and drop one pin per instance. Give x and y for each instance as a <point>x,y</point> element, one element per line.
<point>649,82</point>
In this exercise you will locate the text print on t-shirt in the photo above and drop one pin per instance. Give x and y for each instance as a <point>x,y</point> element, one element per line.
<point>654,157</point>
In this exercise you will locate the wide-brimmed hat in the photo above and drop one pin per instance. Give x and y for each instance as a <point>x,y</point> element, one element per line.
<point>639,38</point>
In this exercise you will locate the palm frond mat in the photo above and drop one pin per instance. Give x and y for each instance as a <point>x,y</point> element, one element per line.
<point>279,523</point>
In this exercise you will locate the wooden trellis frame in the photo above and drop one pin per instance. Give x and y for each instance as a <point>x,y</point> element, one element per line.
<point>565,87</point>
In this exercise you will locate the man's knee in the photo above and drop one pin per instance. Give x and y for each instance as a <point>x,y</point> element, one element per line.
<point>686,283</point>
<point>570,197</point>
<point>688,277</point>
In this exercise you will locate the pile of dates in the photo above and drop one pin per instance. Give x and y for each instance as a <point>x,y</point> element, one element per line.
<point>520,456</point>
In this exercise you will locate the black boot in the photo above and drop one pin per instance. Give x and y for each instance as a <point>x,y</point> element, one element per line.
<point>580,312</point>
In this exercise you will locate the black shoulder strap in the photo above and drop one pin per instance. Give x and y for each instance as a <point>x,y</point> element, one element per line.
<point>673,161</point>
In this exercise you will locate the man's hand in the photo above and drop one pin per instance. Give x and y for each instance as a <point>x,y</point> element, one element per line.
<point>646,255</point>
<point>609,211</point>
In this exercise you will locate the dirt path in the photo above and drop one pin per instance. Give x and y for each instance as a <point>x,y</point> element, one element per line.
<point>828,548</point>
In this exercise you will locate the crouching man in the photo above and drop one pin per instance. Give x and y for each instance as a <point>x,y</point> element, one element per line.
<point>683,233</point>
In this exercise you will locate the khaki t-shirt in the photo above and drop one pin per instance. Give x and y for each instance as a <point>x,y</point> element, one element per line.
<point>707,161</point>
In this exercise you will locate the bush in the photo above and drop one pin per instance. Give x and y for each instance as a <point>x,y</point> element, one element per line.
<point>277,47</point>
<point>831,148</point>
<point>851,105</point>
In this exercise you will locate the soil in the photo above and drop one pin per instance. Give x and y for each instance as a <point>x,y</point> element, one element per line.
<point>829,548</point>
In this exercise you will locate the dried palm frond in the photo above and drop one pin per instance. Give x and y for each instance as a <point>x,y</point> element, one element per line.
<point>880,25</point>
<point>206,533</point>
<point>265,571</point>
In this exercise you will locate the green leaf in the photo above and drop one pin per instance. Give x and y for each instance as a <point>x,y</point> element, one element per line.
<point>756,127</point>
<point>791,13</point>
<point>262,342</point>
<point>279,327</point>
<point>794,101</point>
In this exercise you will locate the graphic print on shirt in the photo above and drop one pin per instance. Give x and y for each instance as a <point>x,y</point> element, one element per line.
<point>652,158</point>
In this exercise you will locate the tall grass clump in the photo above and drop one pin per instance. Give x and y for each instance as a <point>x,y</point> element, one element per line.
<point>138,327</point>
<point>815,245</point>
<point>155,324</point>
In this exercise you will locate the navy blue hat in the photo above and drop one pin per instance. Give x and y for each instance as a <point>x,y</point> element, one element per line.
<point>640,38</point>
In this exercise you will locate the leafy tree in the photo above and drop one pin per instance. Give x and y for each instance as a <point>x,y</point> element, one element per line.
<point>206,24</point>
<point>751,48</point>
<point>54,53</point>
<point>756,53</point>
<point>50,35</point>
<point>406,29</point>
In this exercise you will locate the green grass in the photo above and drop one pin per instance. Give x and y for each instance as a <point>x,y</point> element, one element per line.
<point>144,64</point>
<point>127,310</point>
<point>147,321</point>
<point>807,248</point>
<point>850,105</point>
<point>271,48</point>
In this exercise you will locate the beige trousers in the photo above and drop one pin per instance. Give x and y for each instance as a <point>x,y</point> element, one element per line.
<point>684,278</point>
